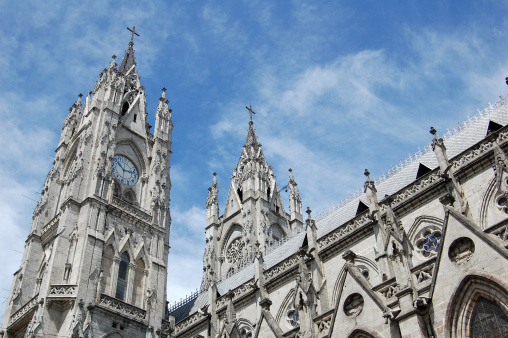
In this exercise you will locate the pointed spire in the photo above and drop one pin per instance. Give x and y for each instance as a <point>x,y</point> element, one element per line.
<point>129,60</point>
<point>112,64</point>
<point>212,201</point>
<point>370,191</point>
<point>439,148</point>
<point>86,106</point>
<point>251,140</point>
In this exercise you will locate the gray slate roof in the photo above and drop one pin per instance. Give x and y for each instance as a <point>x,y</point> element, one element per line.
<point>463,137</point>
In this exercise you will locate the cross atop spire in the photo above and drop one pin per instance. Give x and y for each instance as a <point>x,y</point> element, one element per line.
<point>249,108</point>
<point>129,60</point>
<point>133,31</point>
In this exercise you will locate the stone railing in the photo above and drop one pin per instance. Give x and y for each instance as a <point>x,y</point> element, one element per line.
<point>281,268</point>
<point>62,290</point>
<point>122,307</point>
<point>131,209</point>
<point>472,155</point>
<point>25,309</point>
<point>343,231</point>
<point>238,293</point>
<point>188,322</point>
<point>415,188</point>
<point>51,224</point>
<point>184,301</point>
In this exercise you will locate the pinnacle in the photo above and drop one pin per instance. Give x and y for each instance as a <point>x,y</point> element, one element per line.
<point>129,60</point>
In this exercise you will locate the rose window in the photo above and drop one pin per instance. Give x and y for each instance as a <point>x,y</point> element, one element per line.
<point>428,241</point>
<point>293,317</point>
<point>502,204</point>
<point>235,251</point>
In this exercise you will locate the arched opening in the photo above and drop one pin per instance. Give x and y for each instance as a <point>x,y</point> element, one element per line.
<point>138,287</point>
<point>107,266</point>
<point>123,275</point>
<point>478,308</point>
<point>125,108</point>
<point>488,320</point>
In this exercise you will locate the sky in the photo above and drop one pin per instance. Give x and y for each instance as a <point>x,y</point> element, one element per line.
<point>337,87</point>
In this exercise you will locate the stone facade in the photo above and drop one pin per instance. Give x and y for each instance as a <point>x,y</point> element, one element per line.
<point>421,252</point>
<point>95,259</point>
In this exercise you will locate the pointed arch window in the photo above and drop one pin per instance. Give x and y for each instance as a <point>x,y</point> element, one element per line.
<point>488,320</point>
<point>123,275</point>
<point>125,108</point>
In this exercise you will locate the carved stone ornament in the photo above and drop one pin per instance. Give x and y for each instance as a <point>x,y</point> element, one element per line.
<point>235,251</point>
<point>353,305</point>
<point>461,250</point>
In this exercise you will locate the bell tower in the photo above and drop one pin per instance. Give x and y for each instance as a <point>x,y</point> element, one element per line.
<point>95,260</point>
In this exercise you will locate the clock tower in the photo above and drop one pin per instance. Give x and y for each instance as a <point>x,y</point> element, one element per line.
<point>95,260</point>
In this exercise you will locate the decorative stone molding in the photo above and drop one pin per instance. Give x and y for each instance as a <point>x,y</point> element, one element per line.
<point>237,293</point>
<point>417,187</point>
<point>343,231</point>
<point>25,309</point>
<point>389,290</point>
<point>121,307</point>
<point>51,224</point>
<point>188,322</point>
<point>472,155</point>
<point>281,268</point>
<point>62,290</point>
<point>423,273</point>
<point>502,234</point>
<point>131,209</point>
<point>167,328</point>
<point>61,296</point>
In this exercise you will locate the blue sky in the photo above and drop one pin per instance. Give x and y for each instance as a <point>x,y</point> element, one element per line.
<point>337,87</point>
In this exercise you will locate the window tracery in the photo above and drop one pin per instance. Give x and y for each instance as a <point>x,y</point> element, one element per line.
<point>502,204</point>
<point>123,275</point>
<point>427,241</point>
<point>293,317</point>
<point>488,320</point>
<point>234,252</point>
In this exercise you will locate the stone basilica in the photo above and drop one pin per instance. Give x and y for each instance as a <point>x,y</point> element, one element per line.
<point>420,252</point>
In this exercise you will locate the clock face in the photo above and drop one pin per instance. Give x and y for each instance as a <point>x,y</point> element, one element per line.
<point>124,170</point>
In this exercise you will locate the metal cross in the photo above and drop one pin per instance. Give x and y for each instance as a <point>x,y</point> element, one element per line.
<point>133,30</point>
<point>249,108</point>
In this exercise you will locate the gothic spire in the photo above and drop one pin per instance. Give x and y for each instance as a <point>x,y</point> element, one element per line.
<point>129,60</point>
<point>251,140</point>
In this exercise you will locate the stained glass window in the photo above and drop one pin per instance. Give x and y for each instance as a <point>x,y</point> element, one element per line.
<point>488,320</point>
<point>123,274</point>
<point>503,203</point>
<point>428,242</point>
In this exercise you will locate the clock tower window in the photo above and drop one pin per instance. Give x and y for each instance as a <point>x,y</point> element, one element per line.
<point>123,275</point>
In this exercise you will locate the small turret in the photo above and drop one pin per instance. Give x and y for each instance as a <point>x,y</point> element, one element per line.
<point>295,203</point>
<point>370,191</point>
<point>439,148</point>
<point>212,203</point>
<point>163,120</point>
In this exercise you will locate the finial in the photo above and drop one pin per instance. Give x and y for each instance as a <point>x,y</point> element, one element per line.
<point>114,56</point>
<point>249,108</point>
<point>367,173</point>
<point>133,31</point>
<point>506,80</point>
<point>433,131</point>
<point>80,95</point>
<point>308,212</point>
<point>214,173</point>
<point>164,89</point>
<point>290,170</point>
